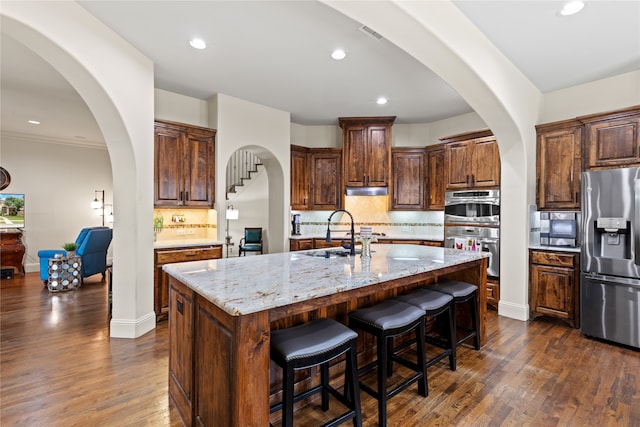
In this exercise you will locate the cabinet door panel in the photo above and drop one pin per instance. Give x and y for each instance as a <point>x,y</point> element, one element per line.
<point>299,180</point>
<point>435,179</point>
<point>614,143</point>
<point>485,164</point>
<point>181,349</point>
<point>377,157</point>
<point>408,171</point>
<point>458,160</point>
<point>325,181</point>
<point>355,146</point>
<point>553,291</point>
<point>167,168</point>
<point>198,161</point>
<point>559,169</point>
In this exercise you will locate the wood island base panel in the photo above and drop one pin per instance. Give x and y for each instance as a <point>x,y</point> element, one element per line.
<point>221,313</point>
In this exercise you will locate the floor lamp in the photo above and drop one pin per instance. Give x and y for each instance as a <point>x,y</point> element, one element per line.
<point>98,204</point>
<point>232,214</point>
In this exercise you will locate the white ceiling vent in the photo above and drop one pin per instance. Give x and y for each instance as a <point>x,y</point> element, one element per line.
<point>370,32</point>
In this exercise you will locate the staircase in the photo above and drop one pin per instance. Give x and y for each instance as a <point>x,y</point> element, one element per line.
<point>240,168</point>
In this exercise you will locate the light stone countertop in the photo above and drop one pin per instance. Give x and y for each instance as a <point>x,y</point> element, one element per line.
<point>556,248</point>
<point>338,237</point>
<point>245,285</point>
<point>179,243</point>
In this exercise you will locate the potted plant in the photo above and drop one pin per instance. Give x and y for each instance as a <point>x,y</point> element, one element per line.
<point>70,248</point>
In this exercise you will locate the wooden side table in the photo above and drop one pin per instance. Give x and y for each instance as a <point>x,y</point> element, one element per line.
<point>12,250</point>
<point>64,274</point>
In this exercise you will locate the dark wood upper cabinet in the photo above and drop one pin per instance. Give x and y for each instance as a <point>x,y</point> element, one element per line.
<point>558,165</point>
<point>326,182</point>
<point>183,165</point>
<point>299,178</point>
<point>435,177</point>
<point>472,160</point>
<point>316,178</point>
<point>366,150</point>
<point>612,139</point>
<point>408,169</point>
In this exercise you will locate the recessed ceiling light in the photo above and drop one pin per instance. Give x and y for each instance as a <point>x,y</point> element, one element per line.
<point>338,54</point>
<point>571,8</point>
<point>381,101</point>
<point>198,43</point>
<point>34,122</point>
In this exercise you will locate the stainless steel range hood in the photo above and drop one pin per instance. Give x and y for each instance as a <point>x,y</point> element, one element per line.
<point>366,191</point>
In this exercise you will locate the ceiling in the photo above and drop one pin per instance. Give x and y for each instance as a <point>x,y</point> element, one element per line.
<point>277,53</point>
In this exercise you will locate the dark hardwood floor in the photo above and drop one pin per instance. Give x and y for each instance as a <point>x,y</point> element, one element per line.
<point>58,367</point>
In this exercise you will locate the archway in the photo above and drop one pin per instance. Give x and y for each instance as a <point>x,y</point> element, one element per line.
<point>122,103</point>
<point>261,206</point>
<point>438,35</point>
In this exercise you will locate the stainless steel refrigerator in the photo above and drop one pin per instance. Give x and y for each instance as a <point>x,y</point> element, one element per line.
<point>610,256</point>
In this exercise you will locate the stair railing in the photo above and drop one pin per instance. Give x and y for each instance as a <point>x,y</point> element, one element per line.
<point>239,169</point>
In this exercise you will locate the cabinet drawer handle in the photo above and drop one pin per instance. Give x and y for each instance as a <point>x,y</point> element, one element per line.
<point>186,197</point>
<point>181,196</point>
<point>179,306</point>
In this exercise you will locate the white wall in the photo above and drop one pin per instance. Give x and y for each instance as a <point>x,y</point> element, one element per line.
<point>58,181</point>
<point>594,97</point>
<point>180,108</point>
<point>266,132</point>
<point>316,136</point>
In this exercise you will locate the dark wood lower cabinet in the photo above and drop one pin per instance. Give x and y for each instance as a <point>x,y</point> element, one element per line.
<point>493,293</point>
<point>554,290</point>
<point>170,255</point>
<point>181,349</point>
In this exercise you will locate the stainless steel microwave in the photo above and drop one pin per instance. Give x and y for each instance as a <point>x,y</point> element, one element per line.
<point>560,229</point>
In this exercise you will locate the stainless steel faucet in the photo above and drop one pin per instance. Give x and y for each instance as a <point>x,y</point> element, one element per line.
<point>353,234</point>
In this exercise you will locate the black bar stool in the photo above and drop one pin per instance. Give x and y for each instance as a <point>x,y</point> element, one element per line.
<point>311,344</point>
<point>386,320</point>
<point>463,292</point>
<point>436,304</point>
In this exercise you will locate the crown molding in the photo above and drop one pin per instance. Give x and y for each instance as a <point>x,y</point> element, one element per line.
<point>28,137</point>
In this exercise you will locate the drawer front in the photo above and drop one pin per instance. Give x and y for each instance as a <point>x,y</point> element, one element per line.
<point>553,258</point>
<point>188,254</point>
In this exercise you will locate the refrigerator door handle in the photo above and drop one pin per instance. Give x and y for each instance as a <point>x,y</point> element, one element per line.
<point>635,225</point>
<point>631,283</point>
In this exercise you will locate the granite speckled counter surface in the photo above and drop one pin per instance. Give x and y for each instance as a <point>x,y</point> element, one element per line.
<point>165,244</point>
<point>245,285</point>
<point>555,248</point>
<point>338,236</point>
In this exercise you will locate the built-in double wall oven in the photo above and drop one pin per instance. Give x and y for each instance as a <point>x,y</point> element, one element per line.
<point>472,222</point>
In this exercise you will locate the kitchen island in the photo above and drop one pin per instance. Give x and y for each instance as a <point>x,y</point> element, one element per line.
<point>221,313</point>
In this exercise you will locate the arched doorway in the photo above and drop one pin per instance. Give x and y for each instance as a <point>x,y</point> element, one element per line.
<point>438,35</point>
<point>256,204</point>
<point>122,103</point>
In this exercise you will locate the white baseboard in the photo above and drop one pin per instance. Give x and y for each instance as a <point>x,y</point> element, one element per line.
<point>513,311</point>
<point>125,328</point>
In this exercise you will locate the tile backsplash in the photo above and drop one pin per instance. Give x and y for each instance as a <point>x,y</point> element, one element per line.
<point>372,211</point>
<point>186,224</point>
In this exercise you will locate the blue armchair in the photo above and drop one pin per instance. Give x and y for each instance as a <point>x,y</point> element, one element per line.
<point>93,243</point>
